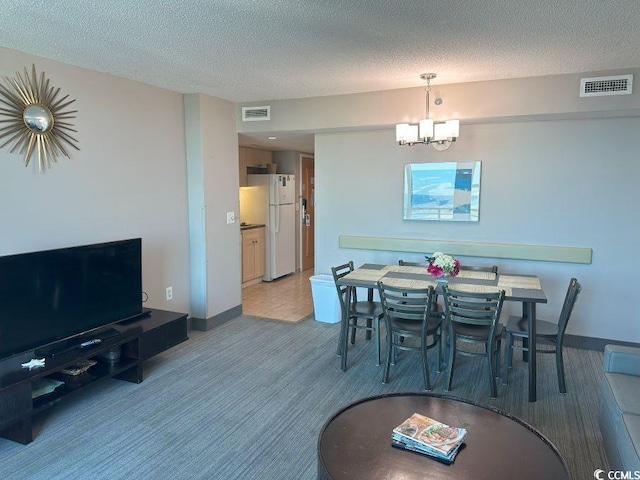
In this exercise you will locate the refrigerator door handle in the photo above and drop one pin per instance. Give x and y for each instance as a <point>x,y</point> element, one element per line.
<point>277,218</point>
<point>275,190</point>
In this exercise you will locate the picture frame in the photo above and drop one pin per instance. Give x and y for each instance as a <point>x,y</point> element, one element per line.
<point>442,191</point>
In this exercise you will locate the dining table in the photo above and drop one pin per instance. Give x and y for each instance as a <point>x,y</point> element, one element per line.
<point>521,288</point>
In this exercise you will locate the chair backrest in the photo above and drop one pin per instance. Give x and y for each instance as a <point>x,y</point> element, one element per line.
<point>473,308</point>
<point>567,307</point>
<point>413,264</point>
<point>409,304</point>
<point>435,310</point>
<point>339,272</point>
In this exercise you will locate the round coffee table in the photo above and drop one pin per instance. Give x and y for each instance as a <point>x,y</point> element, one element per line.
<point>355,443</point>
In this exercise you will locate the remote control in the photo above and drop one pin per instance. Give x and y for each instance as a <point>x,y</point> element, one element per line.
<point>90,343</point>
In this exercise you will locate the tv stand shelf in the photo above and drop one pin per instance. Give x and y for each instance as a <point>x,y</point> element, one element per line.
<point>134,342</point>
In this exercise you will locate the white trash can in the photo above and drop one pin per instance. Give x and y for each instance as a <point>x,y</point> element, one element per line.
<point>326,305</point>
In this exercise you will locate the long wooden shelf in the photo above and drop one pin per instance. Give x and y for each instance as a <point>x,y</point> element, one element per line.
<point>516,251</point>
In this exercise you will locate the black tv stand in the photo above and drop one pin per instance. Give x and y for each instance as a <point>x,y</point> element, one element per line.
<point>134,341</point>
<point>145,313</point>
<point>89,340</point>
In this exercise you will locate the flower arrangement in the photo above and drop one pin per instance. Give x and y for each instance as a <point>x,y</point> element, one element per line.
<point>441,265</point>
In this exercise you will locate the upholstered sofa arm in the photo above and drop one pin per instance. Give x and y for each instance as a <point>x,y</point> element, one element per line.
<point>619,359</point>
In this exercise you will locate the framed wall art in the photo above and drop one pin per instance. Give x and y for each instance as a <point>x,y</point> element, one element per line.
<point>444,191</point>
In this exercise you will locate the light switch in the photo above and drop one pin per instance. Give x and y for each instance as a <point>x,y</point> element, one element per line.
<point>231,217</point>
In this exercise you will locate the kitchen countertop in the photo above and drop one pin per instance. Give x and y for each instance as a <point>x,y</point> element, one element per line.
<point>247,226</point>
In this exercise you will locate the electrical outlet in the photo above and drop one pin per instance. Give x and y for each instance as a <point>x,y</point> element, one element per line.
<point>231,217</point>
<point>169,293</point>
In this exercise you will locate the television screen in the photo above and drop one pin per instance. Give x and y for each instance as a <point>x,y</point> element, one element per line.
<point>51,295</point>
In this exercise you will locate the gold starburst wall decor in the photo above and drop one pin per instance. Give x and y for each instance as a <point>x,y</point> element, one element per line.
<point>35,118</point>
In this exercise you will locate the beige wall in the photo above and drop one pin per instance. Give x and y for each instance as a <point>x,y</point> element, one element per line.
<point>571,183</point>
<point>536,98</point>
<point>557,170</point>
<point>127,180</point>
<point>220,159</point>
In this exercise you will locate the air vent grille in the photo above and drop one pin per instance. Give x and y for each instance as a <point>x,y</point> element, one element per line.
<point>255,114</point>
<point>602,86</point>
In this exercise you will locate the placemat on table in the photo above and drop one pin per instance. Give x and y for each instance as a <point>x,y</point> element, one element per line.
<point>406,269</point>
<point>516,281</point>
<point>471,288</point>
<point>407,283</point>
<point>364,274</point>
<point>477,275</point>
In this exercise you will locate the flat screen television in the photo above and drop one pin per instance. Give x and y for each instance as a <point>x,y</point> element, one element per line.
<point>52,295</point>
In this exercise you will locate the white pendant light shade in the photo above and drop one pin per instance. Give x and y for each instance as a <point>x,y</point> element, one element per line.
<point>406,133</point>
<point>440,131</point>
<point>454,128</point>
<point>439,134</point>
<point>402,132</point>
<point>412,134</point>
<point>426,128</point>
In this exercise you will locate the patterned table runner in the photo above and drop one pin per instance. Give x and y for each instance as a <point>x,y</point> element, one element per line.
<point>467,287</point>
<point>407,283</point>
<point>406,269</point>
<point>367,275</point>
<point>477,275</point>
<point>515,281</point>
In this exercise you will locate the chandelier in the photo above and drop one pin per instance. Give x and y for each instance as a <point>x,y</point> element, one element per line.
<point>428,132</point>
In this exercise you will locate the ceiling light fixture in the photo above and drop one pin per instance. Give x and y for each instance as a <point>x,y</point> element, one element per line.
<point>428,132</point>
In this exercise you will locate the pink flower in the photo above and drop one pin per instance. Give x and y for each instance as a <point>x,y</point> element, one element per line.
<point>456,268</point>
<point>435,270</point>
<point>443,265</point>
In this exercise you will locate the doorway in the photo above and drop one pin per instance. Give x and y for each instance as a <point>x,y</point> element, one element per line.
<point>307,192</point>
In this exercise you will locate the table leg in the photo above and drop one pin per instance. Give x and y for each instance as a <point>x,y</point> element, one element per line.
<point>525,342</point>
<point>344,329</point>
<point>531,319</point>
<point>369,320</point>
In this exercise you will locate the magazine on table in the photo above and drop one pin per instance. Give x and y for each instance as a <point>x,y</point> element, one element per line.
<point>425,435</point>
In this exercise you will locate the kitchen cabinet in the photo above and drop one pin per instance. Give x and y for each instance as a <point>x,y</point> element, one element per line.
<point>242,162</point>
<point>253,254</point>
<point>252,157</point>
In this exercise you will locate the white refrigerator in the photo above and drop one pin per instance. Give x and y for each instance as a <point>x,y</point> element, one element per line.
<point>270,200</point>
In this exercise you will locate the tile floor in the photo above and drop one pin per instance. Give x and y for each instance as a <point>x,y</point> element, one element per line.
<point>288,299</point>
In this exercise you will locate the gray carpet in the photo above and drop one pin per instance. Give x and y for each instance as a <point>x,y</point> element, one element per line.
<point>247,401</point>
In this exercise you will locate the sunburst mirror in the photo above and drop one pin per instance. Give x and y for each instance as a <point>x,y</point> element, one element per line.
<point>36,119</point>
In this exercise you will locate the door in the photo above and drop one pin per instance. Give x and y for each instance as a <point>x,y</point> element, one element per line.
<point>283,189</point>
<point>282,240</point>
<point>308,208</point>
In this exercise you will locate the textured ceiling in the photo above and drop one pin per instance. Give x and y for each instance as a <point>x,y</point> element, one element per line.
<point>252,50</point>
<point>257,50</point>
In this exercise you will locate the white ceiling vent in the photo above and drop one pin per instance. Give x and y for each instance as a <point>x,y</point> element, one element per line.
<point>256,114</point>
<point>601,86</point>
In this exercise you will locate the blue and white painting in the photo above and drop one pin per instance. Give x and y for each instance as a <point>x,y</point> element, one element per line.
<point>447,191</point>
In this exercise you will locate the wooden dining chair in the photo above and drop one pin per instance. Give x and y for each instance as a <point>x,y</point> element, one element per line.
<point>549,335</point>
<point>473,318</point>
<point>436,312</point>
<point>407,315</point>
<point>370,311</point>
<point>413,264</point>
